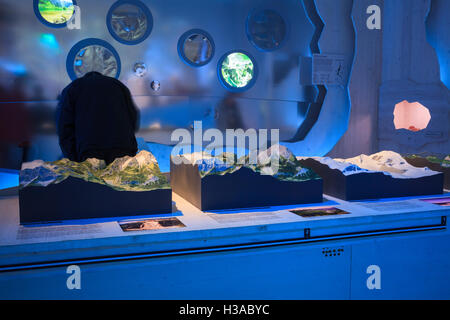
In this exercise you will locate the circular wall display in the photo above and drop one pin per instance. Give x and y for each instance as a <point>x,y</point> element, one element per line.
<point>93,55</point>
<point>196,47</point>
<point>54,13</point>
<point>266,29</point>
<point>129,21</point>
<point>237,70</point>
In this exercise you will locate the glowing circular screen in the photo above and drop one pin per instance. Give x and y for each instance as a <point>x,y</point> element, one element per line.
<point>56,12</point>
<point>237,70</point>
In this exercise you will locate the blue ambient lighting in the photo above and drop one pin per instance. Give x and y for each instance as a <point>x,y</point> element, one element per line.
<point>49,41</point>
<point>13,67</point>
<point>8,178</point>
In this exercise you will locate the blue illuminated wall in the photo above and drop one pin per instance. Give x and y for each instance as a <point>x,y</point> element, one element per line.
<point>337,37</point>
<point>438,34</point>
<point>33,69</point>
<point>8,179</point>
<point>415,59</point>
<point>407,53</point>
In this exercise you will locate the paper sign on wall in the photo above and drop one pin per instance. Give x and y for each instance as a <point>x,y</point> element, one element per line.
<point>328,69</point>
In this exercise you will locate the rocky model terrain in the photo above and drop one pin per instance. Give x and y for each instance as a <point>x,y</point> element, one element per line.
<point>138,173</point>
<point>276,161</point>
<point>443,161</point>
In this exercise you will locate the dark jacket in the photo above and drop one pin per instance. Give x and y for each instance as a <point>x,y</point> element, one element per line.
<point>96,113</point>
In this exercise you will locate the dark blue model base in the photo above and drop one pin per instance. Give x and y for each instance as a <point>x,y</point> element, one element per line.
<point>362,186</point>
<point>78,199</point>
<point>423,162</point>
<point>241,189</point>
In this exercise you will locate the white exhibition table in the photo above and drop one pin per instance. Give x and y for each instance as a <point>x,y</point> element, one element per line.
<point>36,248</point>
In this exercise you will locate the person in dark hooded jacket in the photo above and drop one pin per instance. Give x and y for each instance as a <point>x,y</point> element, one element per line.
<point>97,119</point>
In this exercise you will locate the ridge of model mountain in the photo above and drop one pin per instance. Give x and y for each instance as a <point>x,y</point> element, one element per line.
<point>277,161</point>
<point>387,162</point>
<point>138,173</point>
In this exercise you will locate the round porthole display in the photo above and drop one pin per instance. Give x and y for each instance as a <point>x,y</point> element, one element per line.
<point>196,47</point>
<point>266,29</point>
<point>129,21</point>
<point>237,71</point>
<point>93,55</point>
<point>54,13</point>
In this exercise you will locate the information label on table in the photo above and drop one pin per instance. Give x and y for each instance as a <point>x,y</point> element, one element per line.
<point>61,232</point>
<point>395,206</point>
<point>256,217</point>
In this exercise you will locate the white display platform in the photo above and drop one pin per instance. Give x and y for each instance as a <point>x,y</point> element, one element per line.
<point>83,239</point>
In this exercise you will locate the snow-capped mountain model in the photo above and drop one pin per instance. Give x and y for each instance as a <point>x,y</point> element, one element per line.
<point>138,173</point>
<point>387,162</point>
<point>385,174</point>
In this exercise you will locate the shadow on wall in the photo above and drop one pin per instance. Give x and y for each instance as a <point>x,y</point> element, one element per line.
<point>27,128</point>
<point>413,72</point>
<point>24,113</point>
<point>15,129</point>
